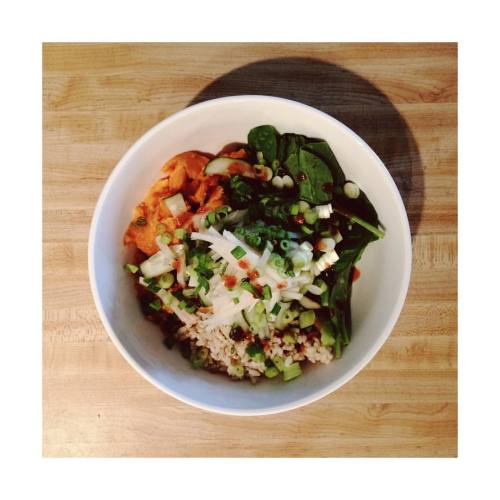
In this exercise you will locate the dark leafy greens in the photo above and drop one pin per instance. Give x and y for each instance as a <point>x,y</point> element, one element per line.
<point>320,180</point>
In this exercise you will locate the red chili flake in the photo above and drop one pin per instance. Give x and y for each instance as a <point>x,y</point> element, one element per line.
<point>265,344</point>
<point>301,176</point>
<point>252,275</point>
<point>243,263</point>
<point>299,219</point>
<point>229,281</point>
<point>356,273</point>
<point>281,285</point>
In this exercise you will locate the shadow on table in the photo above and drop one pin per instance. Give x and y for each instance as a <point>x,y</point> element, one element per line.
<point>344,95</point>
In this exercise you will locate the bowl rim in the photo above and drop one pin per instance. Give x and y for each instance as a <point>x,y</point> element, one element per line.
<point>397,306</point>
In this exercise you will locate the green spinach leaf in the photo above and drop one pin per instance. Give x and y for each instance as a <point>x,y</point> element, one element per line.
<point>312,175</point>
<point>323,150</point>
<point>265,138</point>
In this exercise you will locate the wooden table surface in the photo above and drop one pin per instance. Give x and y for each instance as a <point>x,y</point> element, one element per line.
<point>98,99</point>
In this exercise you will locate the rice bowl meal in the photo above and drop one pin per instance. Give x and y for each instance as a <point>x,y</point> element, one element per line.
<point>246,259</point>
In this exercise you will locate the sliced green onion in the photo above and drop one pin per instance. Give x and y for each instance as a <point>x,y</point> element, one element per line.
<point>291,372</point>
<point>260,308</point>
<point>338,348</point>
<point>180,233</point>
<point>285,245</point>
<point>311,216</point>
<point>324,299</point>
<point>303,206</point>
<point>246,285</point>
<point>294,209</point>
<point>131,268</point>
<point>182,304</point>
<point>276,261</point>
<point>191,309</point>
<point>211,218</point>
<point>307,318</point>
<point>260,158</point>
<point>289,339</point>
<point>266,292</point>
<point>156,304</point>
<point>276,309</point>
<point>321,284</point>
<point>275,164</point>
<point>166,280</point>
<point>306,229</point>
<point>236,300</point>
<point>238,252</point>
<point>271,372</point>
<point>188,292</point>
<point>166,238</point>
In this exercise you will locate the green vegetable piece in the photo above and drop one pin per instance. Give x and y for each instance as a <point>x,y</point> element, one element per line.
<point>323,150</point>
<point>276,261</point>
<point>265,138</point>
<point>279,363</point>
<point>131,268</point>
<point>166,280</point>
<point>276,309</point>
<point>199,357</point>
<point>271,372</point>
<point>188,292</point>
<point>285,245</point>
<point>260,308</point>
<point>246,285</point>
<point>289,339</point>
<point>238,252</point>
<point>156,304</point>
<point>306,229</point>
<point>166,238</point>
<point>307,318</point>
<point>291,372</point>
<point>191,309</point>
<point>312,175</point>
<point>266,292</point>
<point>256,352</point>
<point>294,209</point>
<point>236,300</point>
<point>180,233</point>
<point>237,371</point>
<point>311,215</point>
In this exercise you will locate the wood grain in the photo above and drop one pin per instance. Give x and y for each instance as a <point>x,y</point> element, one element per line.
<point>99,98</point>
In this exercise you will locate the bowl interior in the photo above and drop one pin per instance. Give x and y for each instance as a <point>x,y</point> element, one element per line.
<point>377,298</point>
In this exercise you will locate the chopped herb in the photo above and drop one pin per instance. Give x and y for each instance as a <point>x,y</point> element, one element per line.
<point>156,305</point>
<point>180,233</point>
<point>131,268</point>
<point>238,252</point>
<point>266,292</point>
<point>276,309</point>
<point>256,352</point>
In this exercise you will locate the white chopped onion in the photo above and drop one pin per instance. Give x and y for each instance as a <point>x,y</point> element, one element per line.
<point>306,246</point>
<point>164,248</point>
<point>324,211</point>
<point>287,294</point>
<point>308,303</point>
<point>326,244</point>
<point>156,265</point>
<point>315,290</point>
<point>325,261</point>
<point>175,204</point>
<point>181,258</point>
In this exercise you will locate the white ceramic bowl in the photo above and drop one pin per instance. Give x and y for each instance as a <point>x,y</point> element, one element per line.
<point>378,296</point>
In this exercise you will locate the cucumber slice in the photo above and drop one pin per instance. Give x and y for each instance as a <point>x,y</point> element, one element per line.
<point>257,321</point>
<point>229,166</point>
